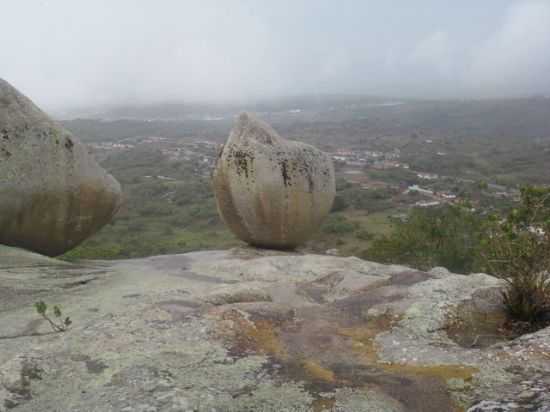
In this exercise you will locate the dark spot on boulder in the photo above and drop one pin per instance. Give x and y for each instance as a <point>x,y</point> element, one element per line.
<point>69,144</point>
<point>220,151</point>
<point>310,181</point>
<point>242,159</point>
<point>284,172</point>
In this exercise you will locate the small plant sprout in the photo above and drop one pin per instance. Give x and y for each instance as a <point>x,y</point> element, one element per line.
<point>59,325</point>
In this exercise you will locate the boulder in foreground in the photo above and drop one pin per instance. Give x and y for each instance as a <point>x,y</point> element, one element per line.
<point>53,195</point>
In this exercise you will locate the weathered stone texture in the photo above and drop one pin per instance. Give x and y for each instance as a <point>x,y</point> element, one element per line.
<point>53,195</point>
<point>260,330</point>
<point>272,192</point>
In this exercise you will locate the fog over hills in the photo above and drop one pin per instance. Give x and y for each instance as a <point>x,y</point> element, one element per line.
<point>74,53</point>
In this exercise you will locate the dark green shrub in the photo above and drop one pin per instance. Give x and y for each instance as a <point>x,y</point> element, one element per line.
<point>517,249</point>
<point>338,225</point>
<point>364,234</point>
<point>91,251</point>
<point>448,236</point>
<point>339,204</point>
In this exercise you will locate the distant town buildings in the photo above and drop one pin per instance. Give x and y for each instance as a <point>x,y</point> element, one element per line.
<point>154,139</point>
<point>386,164</point>
<point>427,176</point>
<point>111,146</point>
<point>448,196</point>
<point>416,188</point>
<point>372,158</point>
<point>354,166</point>
<point>430,203</point>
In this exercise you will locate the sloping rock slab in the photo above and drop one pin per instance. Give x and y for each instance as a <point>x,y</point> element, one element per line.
<point>249,330</point>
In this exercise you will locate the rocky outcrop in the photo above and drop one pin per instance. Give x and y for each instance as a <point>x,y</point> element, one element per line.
<point>253,330</point>
<point>53,195</point>
<point>271,192</point>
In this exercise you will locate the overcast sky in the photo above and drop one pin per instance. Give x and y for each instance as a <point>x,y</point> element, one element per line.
<point>63,53</point>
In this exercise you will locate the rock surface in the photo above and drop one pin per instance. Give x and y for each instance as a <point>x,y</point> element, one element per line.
<point>271,192</point>
<point>53,195</point>
<point>249,330</point>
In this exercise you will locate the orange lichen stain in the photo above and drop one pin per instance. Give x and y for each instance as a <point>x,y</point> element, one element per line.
<point>265,336</point>
<point>317,372</point>
<point>362,337</point>
<point>323,405</point>
<point>362,343</point>
<point>259,336</point>
<point>265,339</point>
<point>364,346</point>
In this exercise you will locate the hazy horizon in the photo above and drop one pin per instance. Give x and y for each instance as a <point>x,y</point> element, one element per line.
<point>65,54</point>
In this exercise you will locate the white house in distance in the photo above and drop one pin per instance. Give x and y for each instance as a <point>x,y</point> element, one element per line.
<point>416,188</point>
<point>427,176</point>
<point>427,203</point>
<point>448,196</point>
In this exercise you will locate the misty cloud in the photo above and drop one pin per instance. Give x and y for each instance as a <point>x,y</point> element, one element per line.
<point>515,59</point>
<point>70,52</point>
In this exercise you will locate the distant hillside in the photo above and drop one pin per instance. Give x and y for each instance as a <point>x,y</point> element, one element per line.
<point>528,118</point>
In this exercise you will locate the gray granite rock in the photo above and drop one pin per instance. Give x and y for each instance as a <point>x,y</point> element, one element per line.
<point>271,192</point>
<point>53,195</point>
<point>255,330</point>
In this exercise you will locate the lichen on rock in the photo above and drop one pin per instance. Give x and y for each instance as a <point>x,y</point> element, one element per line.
<point>257,330</point>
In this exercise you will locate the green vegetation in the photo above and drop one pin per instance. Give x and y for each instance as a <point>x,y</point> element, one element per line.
<point>517,250</point>
<point>448,236</point>
<point>373,200</point>
<point>479,147</point>
<point>350,231</point>
<point>338,224</point>
<point>58,325</point>
<point>169,208</point>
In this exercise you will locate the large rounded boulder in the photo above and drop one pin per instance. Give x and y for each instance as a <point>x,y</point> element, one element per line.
<point>53,195</point>
<point>271,192</point>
